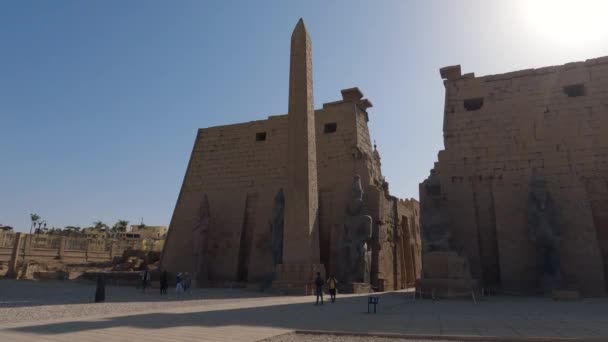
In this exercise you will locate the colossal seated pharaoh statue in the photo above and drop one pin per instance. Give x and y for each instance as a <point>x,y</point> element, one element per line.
<point>445,273</point>
<point>355,254</point>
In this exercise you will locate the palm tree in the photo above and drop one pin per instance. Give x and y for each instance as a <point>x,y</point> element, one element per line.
<point>120,226</point>
<point>34,218</point>
<point>101,228</point>
<point>100,225</point>
<point>41,227</point>
<point>123,224</point>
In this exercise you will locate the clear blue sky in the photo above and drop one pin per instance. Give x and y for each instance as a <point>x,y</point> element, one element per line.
<point>100,100</point>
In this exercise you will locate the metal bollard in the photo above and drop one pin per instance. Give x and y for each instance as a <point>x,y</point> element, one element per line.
<point>372,301</point>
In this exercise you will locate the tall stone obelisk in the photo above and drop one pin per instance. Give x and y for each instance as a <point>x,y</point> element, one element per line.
<point>301,254</point>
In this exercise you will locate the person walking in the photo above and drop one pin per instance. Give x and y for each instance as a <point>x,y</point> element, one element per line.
<point>187,284</point>
<point>100,290</point>
<point>179,286</point>
<point>319,288</point>
<point>145,279</point>
<point>164,283</point>
<point>332,283</point>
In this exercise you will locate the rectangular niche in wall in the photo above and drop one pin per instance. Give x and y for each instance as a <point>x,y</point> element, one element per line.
<point>330,127</point>
<point>574,90</point>
<point>473,104</point>
<point>261,136</point>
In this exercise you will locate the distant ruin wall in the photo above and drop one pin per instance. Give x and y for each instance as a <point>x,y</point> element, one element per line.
<point>20,248</point>
<point>498,130</point>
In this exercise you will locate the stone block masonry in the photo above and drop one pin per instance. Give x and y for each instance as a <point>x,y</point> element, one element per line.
<point>498,130</point>
<point>229,165</point>
<point>301,242</point>
<point>55,251</point>
<point>236,172</point>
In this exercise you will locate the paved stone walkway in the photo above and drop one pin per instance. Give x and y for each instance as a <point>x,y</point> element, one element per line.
<point>257,318</point>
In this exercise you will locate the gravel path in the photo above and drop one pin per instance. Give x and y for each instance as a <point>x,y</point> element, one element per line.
<point>30,301</point>
<point>335,338</point>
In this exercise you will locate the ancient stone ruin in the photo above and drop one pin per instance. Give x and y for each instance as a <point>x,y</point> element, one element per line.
<point>445,273</point>
<point>353,244</point>
<point>291,195</point>
<point>544,230</point>
<point>520,189</point>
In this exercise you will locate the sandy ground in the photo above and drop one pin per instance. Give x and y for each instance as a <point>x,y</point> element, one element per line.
<point>37,301</point>
<point>334,338</point>
<point>64,311</point>
<point>30,301</point>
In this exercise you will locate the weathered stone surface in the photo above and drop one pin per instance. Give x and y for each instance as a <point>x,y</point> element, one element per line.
<point>450,72</point>
<point>447,287</point>
<point>354,261</point>
<point>446,265</point>
<point>497,130</point>
<point>436,220</point>
<point>355,288</point>
<point>200,235</point>
<point>445,275</point>
<point>544,231</point>
<point>301,194</point>
<point>301,232</point>
<point>277,227</point>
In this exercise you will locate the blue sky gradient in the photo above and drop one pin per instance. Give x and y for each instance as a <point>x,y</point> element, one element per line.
<point>100,100</point>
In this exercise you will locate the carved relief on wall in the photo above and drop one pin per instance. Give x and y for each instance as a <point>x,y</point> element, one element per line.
<point>543,229</point>
<point>200,234</point>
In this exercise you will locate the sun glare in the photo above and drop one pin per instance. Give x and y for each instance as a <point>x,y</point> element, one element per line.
<point>568,21</point>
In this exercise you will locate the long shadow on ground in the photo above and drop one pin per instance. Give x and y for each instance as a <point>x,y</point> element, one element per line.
<point>303,316</point>
<point>397,313</point>
<point>24,293</point>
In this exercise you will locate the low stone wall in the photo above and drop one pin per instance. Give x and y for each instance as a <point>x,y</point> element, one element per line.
<point>18,249</point>
<point>5,254</point>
